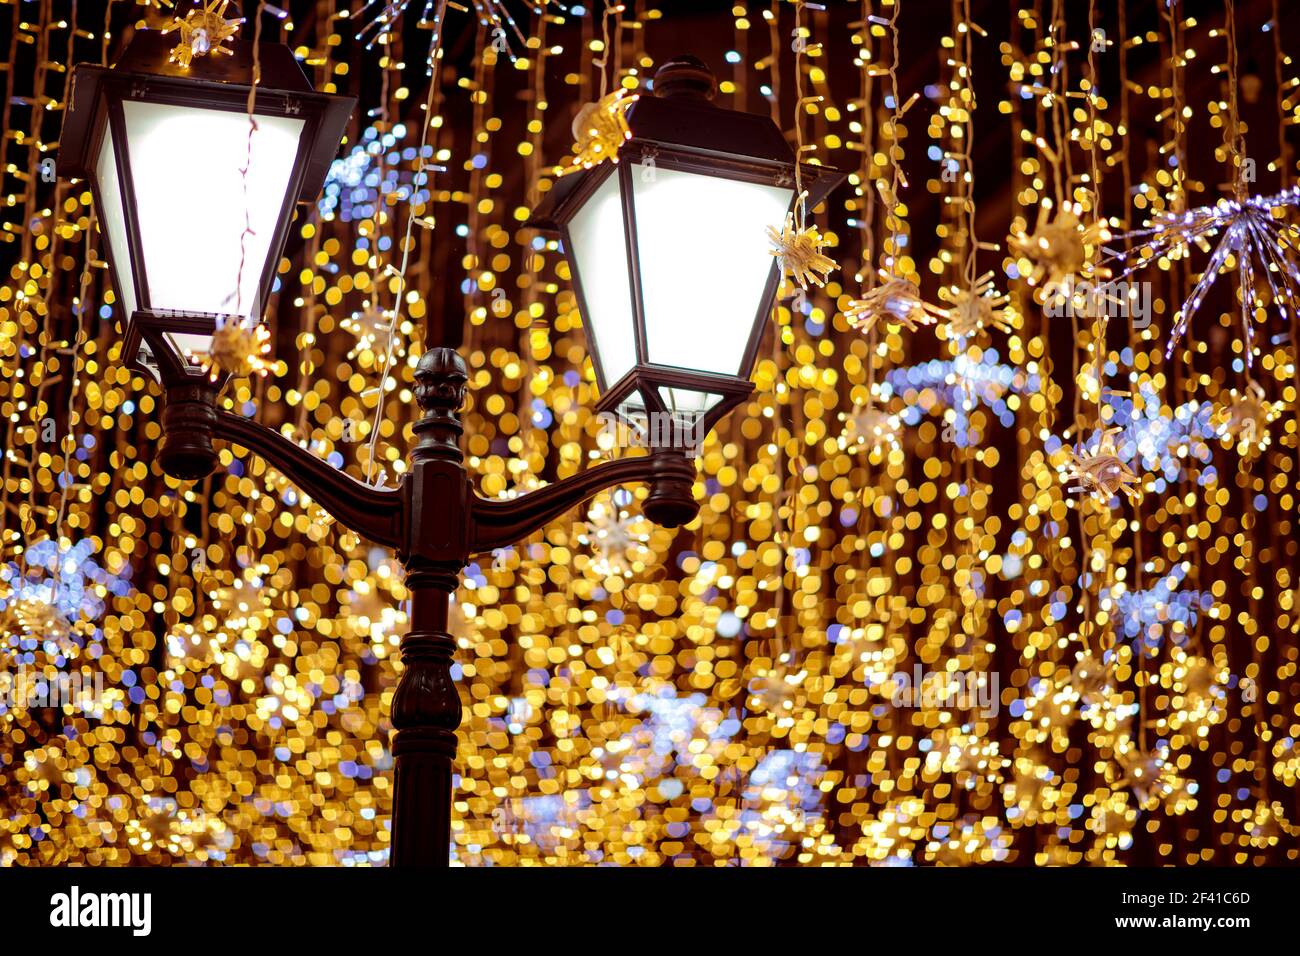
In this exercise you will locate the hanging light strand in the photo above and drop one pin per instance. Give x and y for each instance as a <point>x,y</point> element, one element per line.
<point>435,62</point>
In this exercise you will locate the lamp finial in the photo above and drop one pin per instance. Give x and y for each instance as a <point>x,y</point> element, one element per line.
<point>440,378</point>
<point>685,76</point>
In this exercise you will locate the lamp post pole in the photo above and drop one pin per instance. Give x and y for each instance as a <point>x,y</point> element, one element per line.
<point>426,706</point>
<point>435,522</point>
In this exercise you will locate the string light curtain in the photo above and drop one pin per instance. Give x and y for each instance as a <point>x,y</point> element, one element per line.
<point>998,564</point>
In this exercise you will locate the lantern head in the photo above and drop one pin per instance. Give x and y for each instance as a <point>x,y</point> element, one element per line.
<point>195,197</point>
<point>668,247</point>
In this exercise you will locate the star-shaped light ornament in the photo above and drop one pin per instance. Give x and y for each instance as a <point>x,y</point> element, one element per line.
<point>1091,681</point>
<point>896,301</point>
<point>618,537</point>
<point>599,131</point>
<point>869,428</point>
<point>1100,472</point>
<point>370,325</point>
<point>976,308</point>
<point>238,350</point>
<point>798,250</point>
<point>1244,418</point>
<point>1255,233</point>
<point>1153,779</point>
<point>775,690</point>
<point>202,32</point>
<point>1059,249</point>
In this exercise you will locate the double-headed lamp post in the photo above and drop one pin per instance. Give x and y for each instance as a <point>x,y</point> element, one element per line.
<point>671,266</point>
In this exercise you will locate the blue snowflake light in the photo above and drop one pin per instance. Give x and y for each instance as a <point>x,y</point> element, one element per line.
<point>1146,615</point>
<point>379,165</point>
<point>48,600</point>
<point>961,384</point>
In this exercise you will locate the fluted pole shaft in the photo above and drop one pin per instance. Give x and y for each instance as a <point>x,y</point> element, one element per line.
<point>426,712</point>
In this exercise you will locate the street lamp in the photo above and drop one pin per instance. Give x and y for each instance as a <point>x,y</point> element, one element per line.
<point>671,263</point>
<point>713,166</point>
<point>195,197</point>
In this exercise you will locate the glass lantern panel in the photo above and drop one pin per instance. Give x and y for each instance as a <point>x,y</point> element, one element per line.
<point>114,222</point>
<point>632,407</point>
<point>686,402</point>
<point>599,261</point>
<point>191,346</point>
<point>705,260</point>
<point>206,227</point>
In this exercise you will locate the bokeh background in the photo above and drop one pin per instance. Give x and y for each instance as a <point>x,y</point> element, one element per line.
<point>889,499</point>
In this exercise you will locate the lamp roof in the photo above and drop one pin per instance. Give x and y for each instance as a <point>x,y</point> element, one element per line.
<point>680,117</point>
<point>150,52</point>
<point>145,65</point>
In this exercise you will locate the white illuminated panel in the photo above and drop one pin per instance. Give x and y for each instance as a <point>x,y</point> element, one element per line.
<point>194,204</point>
<point>599,258</point>
<point>114,222</point>
<point>705,260</point>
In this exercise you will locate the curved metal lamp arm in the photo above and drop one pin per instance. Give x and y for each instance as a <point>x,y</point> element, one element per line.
<point>373,513</point>
<point>498,523</point>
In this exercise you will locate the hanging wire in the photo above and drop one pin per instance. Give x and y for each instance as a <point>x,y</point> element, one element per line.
<point>248,164</point>
<point>435,60</point>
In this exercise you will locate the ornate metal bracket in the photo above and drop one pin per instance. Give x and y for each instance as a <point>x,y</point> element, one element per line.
<point>435,521</point>
<point>496,524</point>
<point>373,513</point>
